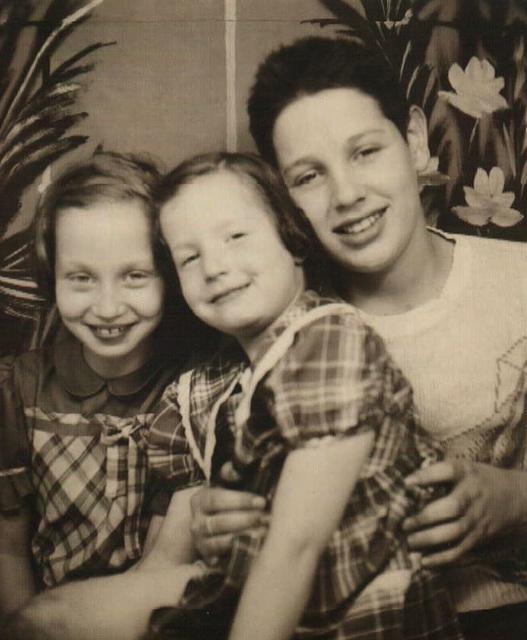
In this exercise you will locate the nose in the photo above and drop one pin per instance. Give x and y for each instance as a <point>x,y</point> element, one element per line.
<point>108,304</point>
<point>213,263</point>
<point>348,190</point>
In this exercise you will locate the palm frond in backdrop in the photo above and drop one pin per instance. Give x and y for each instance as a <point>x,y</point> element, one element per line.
<point>37,112</point>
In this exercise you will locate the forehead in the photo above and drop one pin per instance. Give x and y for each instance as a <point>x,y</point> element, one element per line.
<point>212,201</point>
<point>101,208</point>
<point>329,116</point>
<point>103,226</point>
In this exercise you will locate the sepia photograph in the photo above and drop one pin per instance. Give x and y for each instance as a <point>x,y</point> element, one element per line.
<point>263,319</point>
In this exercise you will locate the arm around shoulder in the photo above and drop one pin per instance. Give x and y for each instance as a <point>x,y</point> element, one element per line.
<point>116,607</point>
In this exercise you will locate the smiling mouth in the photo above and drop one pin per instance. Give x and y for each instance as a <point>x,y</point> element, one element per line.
<point>358,226</point>
<point>230,293</point>
<point>108,332</point>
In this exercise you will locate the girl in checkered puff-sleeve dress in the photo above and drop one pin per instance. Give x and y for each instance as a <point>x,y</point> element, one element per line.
<point>73,467</point>
<point>305,408</point>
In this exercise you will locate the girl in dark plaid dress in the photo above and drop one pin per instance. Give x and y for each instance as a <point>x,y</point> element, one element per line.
<point>72,461</point>
<point>303,406</point>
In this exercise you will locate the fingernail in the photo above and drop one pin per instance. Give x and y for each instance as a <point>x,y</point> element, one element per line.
<point>258,502</point>
<point>412,479</point>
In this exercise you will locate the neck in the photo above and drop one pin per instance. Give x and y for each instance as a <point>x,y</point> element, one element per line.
<point>109,368</point>
<point>255,345</point>
<point>417,277</point>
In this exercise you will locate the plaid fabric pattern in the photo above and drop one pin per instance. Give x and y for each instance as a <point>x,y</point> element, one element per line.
<point>83,457</point>
<point>90,488</point>
<point>176,450</point>
<point>380,613</point>
<point>324,375</point>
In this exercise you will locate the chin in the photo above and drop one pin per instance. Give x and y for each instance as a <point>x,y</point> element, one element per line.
<point>375,263</point>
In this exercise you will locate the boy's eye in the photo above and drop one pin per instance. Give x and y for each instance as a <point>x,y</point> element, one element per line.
<point>367,151</point>
<point>188,259</point>
<point>237,235</point>
<point>306,178</point>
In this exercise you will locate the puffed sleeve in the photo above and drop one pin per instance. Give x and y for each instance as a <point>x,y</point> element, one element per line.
<point>15,457</point>
<point>169,453</point>
<point>330,383</point>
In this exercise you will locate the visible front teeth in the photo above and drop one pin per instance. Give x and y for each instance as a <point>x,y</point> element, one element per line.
<point>109,332</point>
<point>361,225</point>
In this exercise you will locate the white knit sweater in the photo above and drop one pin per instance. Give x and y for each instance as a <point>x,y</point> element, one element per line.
<point>465,354</point>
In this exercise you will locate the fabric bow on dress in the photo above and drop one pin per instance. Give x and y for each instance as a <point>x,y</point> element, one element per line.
<point>126,471</point>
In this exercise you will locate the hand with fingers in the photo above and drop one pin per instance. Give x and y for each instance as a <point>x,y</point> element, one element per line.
<point>483,502</point>
<point>218,515</point>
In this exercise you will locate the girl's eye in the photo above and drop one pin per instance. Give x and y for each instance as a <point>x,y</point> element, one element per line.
<point>80,278</point>
<point>237,235</point>
<point>136,277</point>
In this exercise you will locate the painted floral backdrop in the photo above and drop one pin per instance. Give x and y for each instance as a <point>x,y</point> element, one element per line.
<point>38,115</point>
<point>464,63</point>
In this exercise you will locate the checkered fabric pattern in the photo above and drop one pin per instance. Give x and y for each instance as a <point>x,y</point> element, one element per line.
<point>79,456</point>
<point>324,375</point>
<point>89,494</point>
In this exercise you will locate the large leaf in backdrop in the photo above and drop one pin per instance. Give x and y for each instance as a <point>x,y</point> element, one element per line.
<point>37,114</point>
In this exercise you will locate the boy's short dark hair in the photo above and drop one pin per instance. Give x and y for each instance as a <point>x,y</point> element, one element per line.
<point>105,176</point>
<point>292,225</point>
<point>314,64</point>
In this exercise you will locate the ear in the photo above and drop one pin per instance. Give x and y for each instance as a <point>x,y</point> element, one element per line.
<point>417,138</point>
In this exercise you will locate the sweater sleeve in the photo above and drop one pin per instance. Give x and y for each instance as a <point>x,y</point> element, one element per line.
<point>15,457</point>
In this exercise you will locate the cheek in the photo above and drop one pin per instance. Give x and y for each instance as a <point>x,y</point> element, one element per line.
<point>279,265</point>
<point>189,288</point>
<point>396,178</point>
<point>314,204</point>
<point>151,301</point>
<point>70,305</point>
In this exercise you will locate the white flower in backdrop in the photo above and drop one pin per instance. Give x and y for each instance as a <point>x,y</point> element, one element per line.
<point>476,89</point>
<point>487,202</point>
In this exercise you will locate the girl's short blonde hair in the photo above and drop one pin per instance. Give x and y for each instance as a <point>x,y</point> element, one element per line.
<point>106,176</point>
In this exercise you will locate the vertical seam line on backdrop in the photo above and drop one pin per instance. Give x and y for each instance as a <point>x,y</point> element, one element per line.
<point>230,75</point>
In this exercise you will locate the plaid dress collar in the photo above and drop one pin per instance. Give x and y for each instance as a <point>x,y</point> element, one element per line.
<point>205,390</point>
<point>81,381</point>
<point>306,301</point>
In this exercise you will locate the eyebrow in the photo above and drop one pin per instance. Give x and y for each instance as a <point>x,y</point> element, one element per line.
<point>183,247</point>
<point>221,227</point>
<point>143,264</point>
<point>352,140</point>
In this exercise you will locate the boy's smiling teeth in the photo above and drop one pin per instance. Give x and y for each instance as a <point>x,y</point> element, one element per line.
<point>360,225</point>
